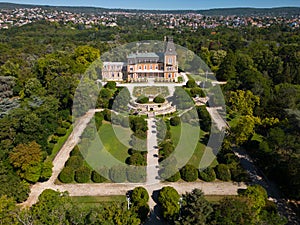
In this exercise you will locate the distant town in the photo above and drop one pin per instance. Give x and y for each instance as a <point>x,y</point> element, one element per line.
<point>17,17</point>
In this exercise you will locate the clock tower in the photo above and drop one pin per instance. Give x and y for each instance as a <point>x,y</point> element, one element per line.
<point>170,60</point>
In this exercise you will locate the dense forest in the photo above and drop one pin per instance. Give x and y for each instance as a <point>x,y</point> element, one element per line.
<point>41,65</point>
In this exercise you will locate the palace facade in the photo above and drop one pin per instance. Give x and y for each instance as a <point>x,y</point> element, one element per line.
<point>162,66</point>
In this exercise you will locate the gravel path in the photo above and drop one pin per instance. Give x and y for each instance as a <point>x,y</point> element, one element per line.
<point>152,157</point>
<point>258,177</point>
<point>152,184</point>
<point>217,118</point>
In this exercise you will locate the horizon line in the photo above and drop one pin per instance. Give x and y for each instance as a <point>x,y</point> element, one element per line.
<point>149,9</point>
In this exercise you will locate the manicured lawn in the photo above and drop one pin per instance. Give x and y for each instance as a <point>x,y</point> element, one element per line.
<point>98,200</point>
<point>198,149</point>
<point>117,145</point>
<point>110,148</point>
<point>60,143</point>
<point>140,91</point>
<point>176,132</point>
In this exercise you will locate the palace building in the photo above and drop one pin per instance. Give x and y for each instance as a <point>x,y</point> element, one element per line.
<point>162,66</point>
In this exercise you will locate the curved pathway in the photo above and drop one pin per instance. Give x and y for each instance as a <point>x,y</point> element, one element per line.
<point>106,189</point>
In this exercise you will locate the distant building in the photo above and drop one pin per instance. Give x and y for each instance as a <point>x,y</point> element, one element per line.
<point>141,66</point>
<point>113,71</point>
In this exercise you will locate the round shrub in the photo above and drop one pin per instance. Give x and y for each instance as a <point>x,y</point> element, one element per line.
<point>82,174</point>
<point>137,159</point>
<point>197,92</point>
<point>136,174</point>
<point>139,195</point>
<point>175,121</point>
<point>143,100</point>
<point>111,85</point>
<point>223,172</point>
<point>189,173</point>
<point>66,175</point>
<point>238,174</point>
<point>159,99</point>
<point>169,173</point>
<point>176,177</point>
<point>76,152</point>
<point>97,178</point>
<point>118,174</point>
<point>207,175</point>
<point>74,162</point>
<point>191,83</point>
<point>61,131</point>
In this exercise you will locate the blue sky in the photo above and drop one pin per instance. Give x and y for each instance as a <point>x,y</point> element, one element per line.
<point>165,4</point>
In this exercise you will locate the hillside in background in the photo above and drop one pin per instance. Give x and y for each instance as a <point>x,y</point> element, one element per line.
<point>281,11</point>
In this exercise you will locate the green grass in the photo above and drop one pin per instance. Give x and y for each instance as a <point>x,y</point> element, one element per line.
<point>176,132</point>
<point>112,143</point>
<point>108,149</point>
<point>199,149</point>
<point>61,141</point>
<point>140,91</point>
<point>98,200</point>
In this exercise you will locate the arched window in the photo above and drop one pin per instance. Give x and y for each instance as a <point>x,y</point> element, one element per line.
<point>170,60</point>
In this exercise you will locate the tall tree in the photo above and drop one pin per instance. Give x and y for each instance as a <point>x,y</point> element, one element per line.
<point>27,159</point>
<point>195,209</point>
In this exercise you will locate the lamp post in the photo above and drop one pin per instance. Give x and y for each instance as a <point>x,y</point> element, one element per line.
<point>128,201</point>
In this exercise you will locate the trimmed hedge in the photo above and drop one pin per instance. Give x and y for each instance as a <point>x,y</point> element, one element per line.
<point>189,173</point>
<point>143,100</point>
<point>118,174</point>
<point>137,159</point>
<point>76,152</point>
<point>82,175</point>
<point>175,121</point>
<point>159,99</point>
<point>111,85</point>
<point>176,177</point>
<point>223,172</point>
<point>74,162</point>
<point>97,178</point>
<point>136,174</point>
<point>207,175</point>
<point>66,175</point>
<point>139,195</point>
